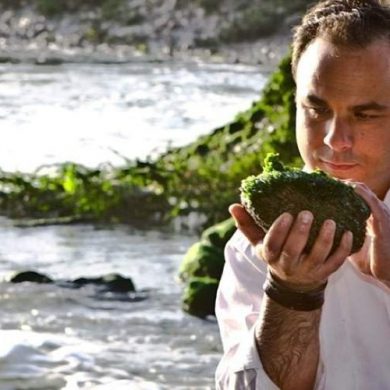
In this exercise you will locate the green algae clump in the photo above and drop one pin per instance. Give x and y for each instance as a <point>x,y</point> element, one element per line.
<point>280,189</point>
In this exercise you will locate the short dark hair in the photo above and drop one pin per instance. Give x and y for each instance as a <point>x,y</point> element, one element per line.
<point>352,23</point>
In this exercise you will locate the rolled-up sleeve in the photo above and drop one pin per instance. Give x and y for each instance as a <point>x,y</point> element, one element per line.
<point>237,308</point>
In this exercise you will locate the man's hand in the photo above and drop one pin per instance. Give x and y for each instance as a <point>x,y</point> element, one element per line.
<point>246,224</point>
<point>376,260</point>
<point>283,246</point>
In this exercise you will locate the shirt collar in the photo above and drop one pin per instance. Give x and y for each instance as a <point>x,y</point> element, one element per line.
<point>386,201</point>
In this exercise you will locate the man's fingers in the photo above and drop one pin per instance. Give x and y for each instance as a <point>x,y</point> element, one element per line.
<point>246,224</point>
<point>297,238</point>
<point>276,237</point>
<point>334,261</point>
<point>323,243</point>
<point>371,199</point>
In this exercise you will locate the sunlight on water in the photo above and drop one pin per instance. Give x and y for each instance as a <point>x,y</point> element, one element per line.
<point>62,338</point>
<point>97,114</point>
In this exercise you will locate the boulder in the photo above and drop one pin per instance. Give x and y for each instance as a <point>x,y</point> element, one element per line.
<point>199,296</point>
<point>30,276</point>
<point>202,259</point>
<point>219,234</point>
<point>108,283</point>
<point>202,268</point>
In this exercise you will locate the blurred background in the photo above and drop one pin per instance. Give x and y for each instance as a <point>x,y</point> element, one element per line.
<point>110,170</point>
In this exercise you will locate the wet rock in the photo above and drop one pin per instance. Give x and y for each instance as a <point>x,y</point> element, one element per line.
<point>205,257</point>
<point>202,268</point>
<point>199,297</point>
<point>111,282</point>
<point>202,259</point>
<point>107,287</point>
<point>219,234</point>
<point>30,276</point>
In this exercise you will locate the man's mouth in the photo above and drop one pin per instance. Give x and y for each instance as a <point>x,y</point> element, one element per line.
<point>338,166</point>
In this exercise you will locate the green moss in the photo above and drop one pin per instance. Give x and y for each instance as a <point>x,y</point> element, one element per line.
<point>281,189</point>
<point>199,297</point>
<point>202,259</point>
<point>216,163</point>
<point>219,234</point>
<point>79,193</point>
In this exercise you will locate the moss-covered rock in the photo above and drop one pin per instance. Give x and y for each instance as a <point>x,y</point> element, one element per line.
<point>202,259</point>
<point>205,257</point>
<point>236,150</point>
<point>219,234</point>
<point>211,168</point>
<point>202,267</point>
<point>281,189</point>
<point>199,296</point>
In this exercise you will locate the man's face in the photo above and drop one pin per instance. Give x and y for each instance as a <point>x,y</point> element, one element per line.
<point>343,111</point>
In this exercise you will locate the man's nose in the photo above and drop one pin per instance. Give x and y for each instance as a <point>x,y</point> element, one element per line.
<point>339,134</point>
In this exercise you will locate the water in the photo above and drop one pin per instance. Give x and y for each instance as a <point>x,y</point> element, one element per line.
<point>58,338</point>
<point>105,113</point>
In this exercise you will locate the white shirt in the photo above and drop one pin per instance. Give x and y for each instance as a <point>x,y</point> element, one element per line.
<point>354,329</point>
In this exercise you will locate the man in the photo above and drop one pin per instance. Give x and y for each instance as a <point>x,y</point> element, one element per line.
<point>340,339</point>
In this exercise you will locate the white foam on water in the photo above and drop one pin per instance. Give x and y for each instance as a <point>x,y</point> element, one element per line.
<point>32,356</point>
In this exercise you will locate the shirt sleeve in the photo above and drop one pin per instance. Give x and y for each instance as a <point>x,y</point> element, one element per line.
<point>237,308</point>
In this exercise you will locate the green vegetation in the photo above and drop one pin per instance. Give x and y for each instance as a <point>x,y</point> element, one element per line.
<point>281,189</point>
<point>237,150</point>
<point>245,20</point>
<point>260,19</point>
<point>50,7</point>
<point>203,177</point>
<point>81,194</point>
<point>252,23</point>
<point>215,164</point>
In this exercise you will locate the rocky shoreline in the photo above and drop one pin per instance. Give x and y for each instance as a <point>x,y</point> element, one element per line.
<point>266,52</point>
<point>161,32</point>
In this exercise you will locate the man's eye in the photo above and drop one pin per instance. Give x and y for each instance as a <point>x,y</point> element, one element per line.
<point>316,111</point>
<point>365,116</point>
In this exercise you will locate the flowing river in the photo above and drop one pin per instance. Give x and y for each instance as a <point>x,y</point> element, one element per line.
<point>59,338</point>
